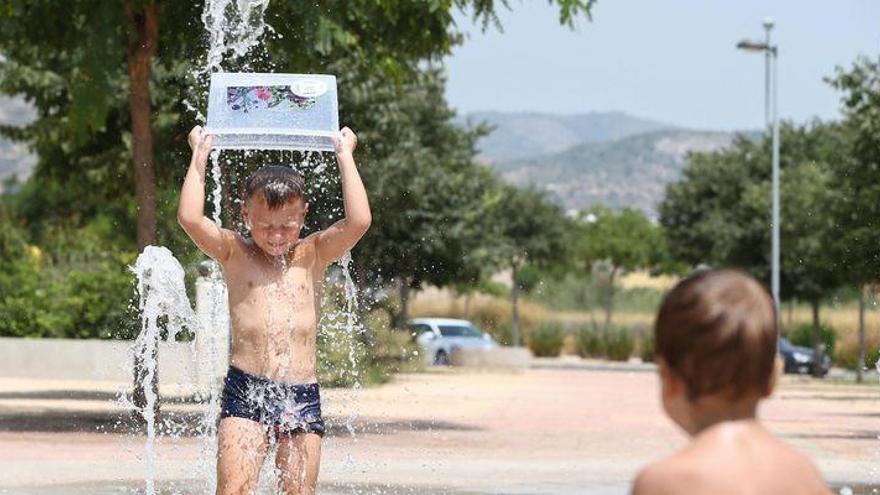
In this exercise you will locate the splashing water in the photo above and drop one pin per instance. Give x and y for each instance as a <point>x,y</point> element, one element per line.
<point>233,26</point>
<point>162,303</point>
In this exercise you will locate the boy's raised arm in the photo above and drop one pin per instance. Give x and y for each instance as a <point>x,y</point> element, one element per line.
<point>340,237</point>
<point>208,236</point>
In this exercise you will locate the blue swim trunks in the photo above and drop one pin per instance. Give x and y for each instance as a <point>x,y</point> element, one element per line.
<point>285,408</point>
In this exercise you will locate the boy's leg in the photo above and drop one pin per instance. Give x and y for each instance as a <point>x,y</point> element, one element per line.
<point>298,460</point>
<point>242,445</point>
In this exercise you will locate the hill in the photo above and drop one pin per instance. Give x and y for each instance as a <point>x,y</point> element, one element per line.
<point>523,135</point>
<point>631,171</point>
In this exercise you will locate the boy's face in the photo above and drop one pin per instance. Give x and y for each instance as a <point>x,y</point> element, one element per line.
<point>274,231</point>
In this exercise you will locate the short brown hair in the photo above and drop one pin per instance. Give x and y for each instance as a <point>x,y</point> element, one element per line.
<point>278,184</point>
<point>717,331</point>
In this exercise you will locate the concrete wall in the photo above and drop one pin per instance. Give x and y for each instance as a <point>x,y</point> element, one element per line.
<point>496,358</point>
<point>198,364</point>
<point>102,360</point>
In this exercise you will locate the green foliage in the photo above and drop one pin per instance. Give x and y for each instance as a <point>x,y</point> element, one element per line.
<point>615,243</point>
<point>614,343</point>
<point>429,190</point>
<point>524,225</point>
<point>547,340</point>
<point>802,335</point>
<point>619,344</point>
<point>858,176</point>
<point>718,213</point>
<point>73,288</point>
<point>646,346</point>
<point>19,279</point>
<point>525,232</point>
<point>588,342</point>
<point>627,240</point>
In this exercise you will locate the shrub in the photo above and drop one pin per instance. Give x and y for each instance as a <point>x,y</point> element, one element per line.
<point>646,346</point>
<point>615,343</point>
<point>619,343</point>
<point>547,340</point>
<point>802,335</point>
<point>847,354</point>
<point>588,342</point>
<point>74,287</point>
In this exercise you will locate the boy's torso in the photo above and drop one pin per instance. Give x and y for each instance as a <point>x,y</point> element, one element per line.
<point>274,311</point>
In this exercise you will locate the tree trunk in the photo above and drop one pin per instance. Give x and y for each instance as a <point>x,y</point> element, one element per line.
<point>467,305</point>
<point>514,309</point>
<point>818,346</point>
<point>403,315</point>
<point>141,47</point>
<point>609,303</point>
<point>144,32</point>
<point>861,363</point>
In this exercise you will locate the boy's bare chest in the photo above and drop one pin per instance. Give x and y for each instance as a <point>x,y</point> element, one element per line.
<point>257,283</point>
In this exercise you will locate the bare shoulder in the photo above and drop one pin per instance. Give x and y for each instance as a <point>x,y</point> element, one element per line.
<point>232,245</point>
<point>305,252</point>
<point>669,476</point>
<point>802,468</point>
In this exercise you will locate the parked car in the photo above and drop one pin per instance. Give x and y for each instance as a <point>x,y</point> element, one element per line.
<point>799,359</point>
<point>439,337</point>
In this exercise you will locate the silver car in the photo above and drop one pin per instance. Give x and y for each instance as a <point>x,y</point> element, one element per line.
<point>439,337</point>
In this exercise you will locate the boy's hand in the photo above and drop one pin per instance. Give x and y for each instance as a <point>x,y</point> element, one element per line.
<point>200,142</point>
<point>345,142</point>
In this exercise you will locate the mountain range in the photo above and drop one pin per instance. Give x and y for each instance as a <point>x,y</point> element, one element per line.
<point>610,158</point>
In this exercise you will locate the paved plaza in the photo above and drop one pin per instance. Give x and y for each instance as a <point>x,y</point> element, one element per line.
<point>564,426</point>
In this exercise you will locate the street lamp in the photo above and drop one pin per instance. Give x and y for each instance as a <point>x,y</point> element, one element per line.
<point>771,117</point>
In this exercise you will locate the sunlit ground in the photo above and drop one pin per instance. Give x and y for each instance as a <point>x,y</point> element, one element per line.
<point>571,426</point>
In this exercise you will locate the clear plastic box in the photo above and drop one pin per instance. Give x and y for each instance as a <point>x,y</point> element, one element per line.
<point>273,111</point>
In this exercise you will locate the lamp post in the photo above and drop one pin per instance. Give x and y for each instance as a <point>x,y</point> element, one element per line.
<point>771,117</point>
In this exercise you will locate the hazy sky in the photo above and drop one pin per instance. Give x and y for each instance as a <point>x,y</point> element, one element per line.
<point>670,60</point>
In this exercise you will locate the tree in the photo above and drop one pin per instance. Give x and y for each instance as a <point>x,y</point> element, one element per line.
<point>859,179</point>
<point>525,229</point>
<point>429,192</point>
<point>623,241</point>
<point>718,214</point>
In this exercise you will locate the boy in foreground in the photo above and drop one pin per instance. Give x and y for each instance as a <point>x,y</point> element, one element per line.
<point>274,282</point>
<point>715,340</point>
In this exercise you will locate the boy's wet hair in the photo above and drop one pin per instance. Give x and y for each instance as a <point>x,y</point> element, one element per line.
<point>717,331</point>
<point>278,184</point>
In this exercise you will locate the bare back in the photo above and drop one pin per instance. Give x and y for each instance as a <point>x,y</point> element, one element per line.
<point>736,458</point>
<point>274,307</point>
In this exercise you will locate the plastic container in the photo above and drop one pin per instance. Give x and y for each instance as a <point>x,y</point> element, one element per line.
<point>273,111</point>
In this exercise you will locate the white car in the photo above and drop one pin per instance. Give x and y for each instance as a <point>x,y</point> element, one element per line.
<point>438,337</point>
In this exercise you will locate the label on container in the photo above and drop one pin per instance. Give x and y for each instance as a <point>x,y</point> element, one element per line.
<point>299,95</point>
